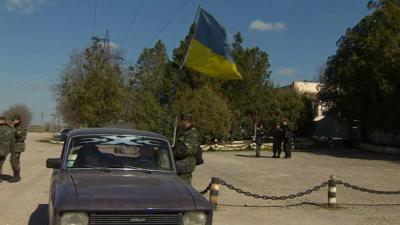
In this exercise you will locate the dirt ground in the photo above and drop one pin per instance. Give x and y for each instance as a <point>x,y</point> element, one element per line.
<point>26,202</point>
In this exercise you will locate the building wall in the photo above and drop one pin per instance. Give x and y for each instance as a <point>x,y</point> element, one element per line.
<point>311,90</point>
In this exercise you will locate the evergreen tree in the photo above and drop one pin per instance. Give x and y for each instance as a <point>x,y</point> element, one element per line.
<point>150,90</point>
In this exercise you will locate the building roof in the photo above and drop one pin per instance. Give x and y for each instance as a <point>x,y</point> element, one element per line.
<point>305,87</point>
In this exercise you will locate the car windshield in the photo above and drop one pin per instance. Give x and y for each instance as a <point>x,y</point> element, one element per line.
<point>118,151</point>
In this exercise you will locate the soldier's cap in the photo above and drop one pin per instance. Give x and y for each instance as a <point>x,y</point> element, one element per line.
<point>186,117</point>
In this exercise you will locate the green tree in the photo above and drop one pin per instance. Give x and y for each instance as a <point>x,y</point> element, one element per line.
<point>151,88</point>
<point>210,111</point>
<point>150,67</point>
<point>362,79</point>
<point>91,89</point>
<point>295,108</point>
<point>254,94</point>
<point>147,113</point>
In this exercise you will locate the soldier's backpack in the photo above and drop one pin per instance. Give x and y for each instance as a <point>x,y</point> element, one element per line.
<point>199,156</point>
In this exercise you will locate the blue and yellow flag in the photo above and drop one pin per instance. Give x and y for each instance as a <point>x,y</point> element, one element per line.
<point>209,51</point>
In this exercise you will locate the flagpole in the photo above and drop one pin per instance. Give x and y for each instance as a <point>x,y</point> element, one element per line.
<point>195,28</point>
<point>176,78</point>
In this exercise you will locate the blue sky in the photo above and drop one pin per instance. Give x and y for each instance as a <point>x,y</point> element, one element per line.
<point>37,36</point>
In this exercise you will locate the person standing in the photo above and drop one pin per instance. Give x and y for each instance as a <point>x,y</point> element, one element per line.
<point>186,147</point>
<point>287,139</point>
<point>19,147</point>
<point>277,144</point>
<point>259,139</point>
<point>6,142</point>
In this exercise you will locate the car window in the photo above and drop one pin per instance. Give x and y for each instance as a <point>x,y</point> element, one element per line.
<point>118,151</point>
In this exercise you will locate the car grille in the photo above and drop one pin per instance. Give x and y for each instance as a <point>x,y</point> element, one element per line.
<point>134,219</point>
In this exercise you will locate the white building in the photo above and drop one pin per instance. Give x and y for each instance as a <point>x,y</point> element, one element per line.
<point>311,90</point>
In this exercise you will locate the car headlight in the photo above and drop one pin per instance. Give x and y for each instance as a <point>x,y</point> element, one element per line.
<point>75,218</point>
<point>194,218</point>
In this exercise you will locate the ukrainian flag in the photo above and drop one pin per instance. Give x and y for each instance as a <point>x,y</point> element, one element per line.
<point>210,52</point>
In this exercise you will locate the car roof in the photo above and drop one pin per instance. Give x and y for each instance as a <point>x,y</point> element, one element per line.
<point>116,131</point>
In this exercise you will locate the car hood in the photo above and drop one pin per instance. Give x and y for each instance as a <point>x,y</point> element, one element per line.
<point>103,191</point>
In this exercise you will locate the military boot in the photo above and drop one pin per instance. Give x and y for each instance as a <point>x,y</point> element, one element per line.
<point>16,177</point>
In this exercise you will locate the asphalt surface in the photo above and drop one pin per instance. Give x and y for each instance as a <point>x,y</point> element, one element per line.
<point>26,202</point>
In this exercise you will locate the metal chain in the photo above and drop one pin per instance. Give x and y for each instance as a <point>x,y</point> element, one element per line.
<point>299,194</point>
<point>267,197</point>
<point>236,147</point>
<point>227,146</point>
<point>206,190</point>
<point>357,188</point>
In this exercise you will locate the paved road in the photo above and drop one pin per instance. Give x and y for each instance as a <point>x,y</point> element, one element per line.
<point>26,202</point>
<point>28,198</point>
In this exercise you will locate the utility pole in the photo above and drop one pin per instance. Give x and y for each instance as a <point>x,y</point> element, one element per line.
<point>255,124</point>
<point>58,121</point>
<point>175,129</point>
<point>42,118</point>
<point>52,122</point>
<point>105,44</point>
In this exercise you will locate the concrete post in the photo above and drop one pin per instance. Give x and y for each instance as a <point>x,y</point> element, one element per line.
<point>331,192</point>
<point>214,192</point>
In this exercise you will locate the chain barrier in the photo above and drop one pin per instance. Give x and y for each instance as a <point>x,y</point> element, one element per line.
<point>236,147</point>
<point>207,189</point>
<point>331,184</point>
<point>267,197</point>
<point>371,191</point>
<point>227,146</point>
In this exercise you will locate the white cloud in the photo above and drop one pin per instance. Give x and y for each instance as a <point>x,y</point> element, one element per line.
<point>286,71</point>
<point>25,6</point>
<point>113,46</point>
<point>259,25</point>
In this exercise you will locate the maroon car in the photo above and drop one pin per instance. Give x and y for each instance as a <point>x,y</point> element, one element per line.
<point>110,176</point>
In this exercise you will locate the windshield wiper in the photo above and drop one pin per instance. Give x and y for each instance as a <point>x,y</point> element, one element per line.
<point>146,171</point>
<point>104,169</point>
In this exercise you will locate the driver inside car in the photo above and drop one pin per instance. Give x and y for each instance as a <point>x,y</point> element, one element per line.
<point>88,156</point>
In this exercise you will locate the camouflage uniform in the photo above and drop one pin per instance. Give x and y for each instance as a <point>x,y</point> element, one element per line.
<point>259,139</point>
<point>19,147</point>
<point>287,140</point>
<point>185,150</point>
<point>277,143</point>
<point>6,143</point>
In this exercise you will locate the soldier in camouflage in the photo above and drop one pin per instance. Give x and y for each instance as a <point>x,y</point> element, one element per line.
<point>6,141</point>
<point>19,147</point>
<point>186,147</point>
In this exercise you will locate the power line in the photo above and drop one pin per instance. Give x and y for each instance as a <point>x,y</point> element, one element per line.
<point>25,87</point>
<point>131,22</point>
<point>169,22</point>
<point>94,17</point>
<point>112,16</point>
<point>30,97</point>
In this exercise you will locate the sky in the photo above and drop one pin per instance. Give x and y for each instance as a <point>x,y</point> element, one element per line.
<point>37,36</point>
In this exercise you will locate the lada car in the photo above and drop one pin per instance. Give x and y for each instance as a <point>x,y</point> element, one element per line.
<point>109,176</point>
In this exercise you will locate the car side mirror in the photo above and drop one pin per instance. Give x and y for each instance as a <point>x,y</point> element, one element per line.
<point>53,163</point>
